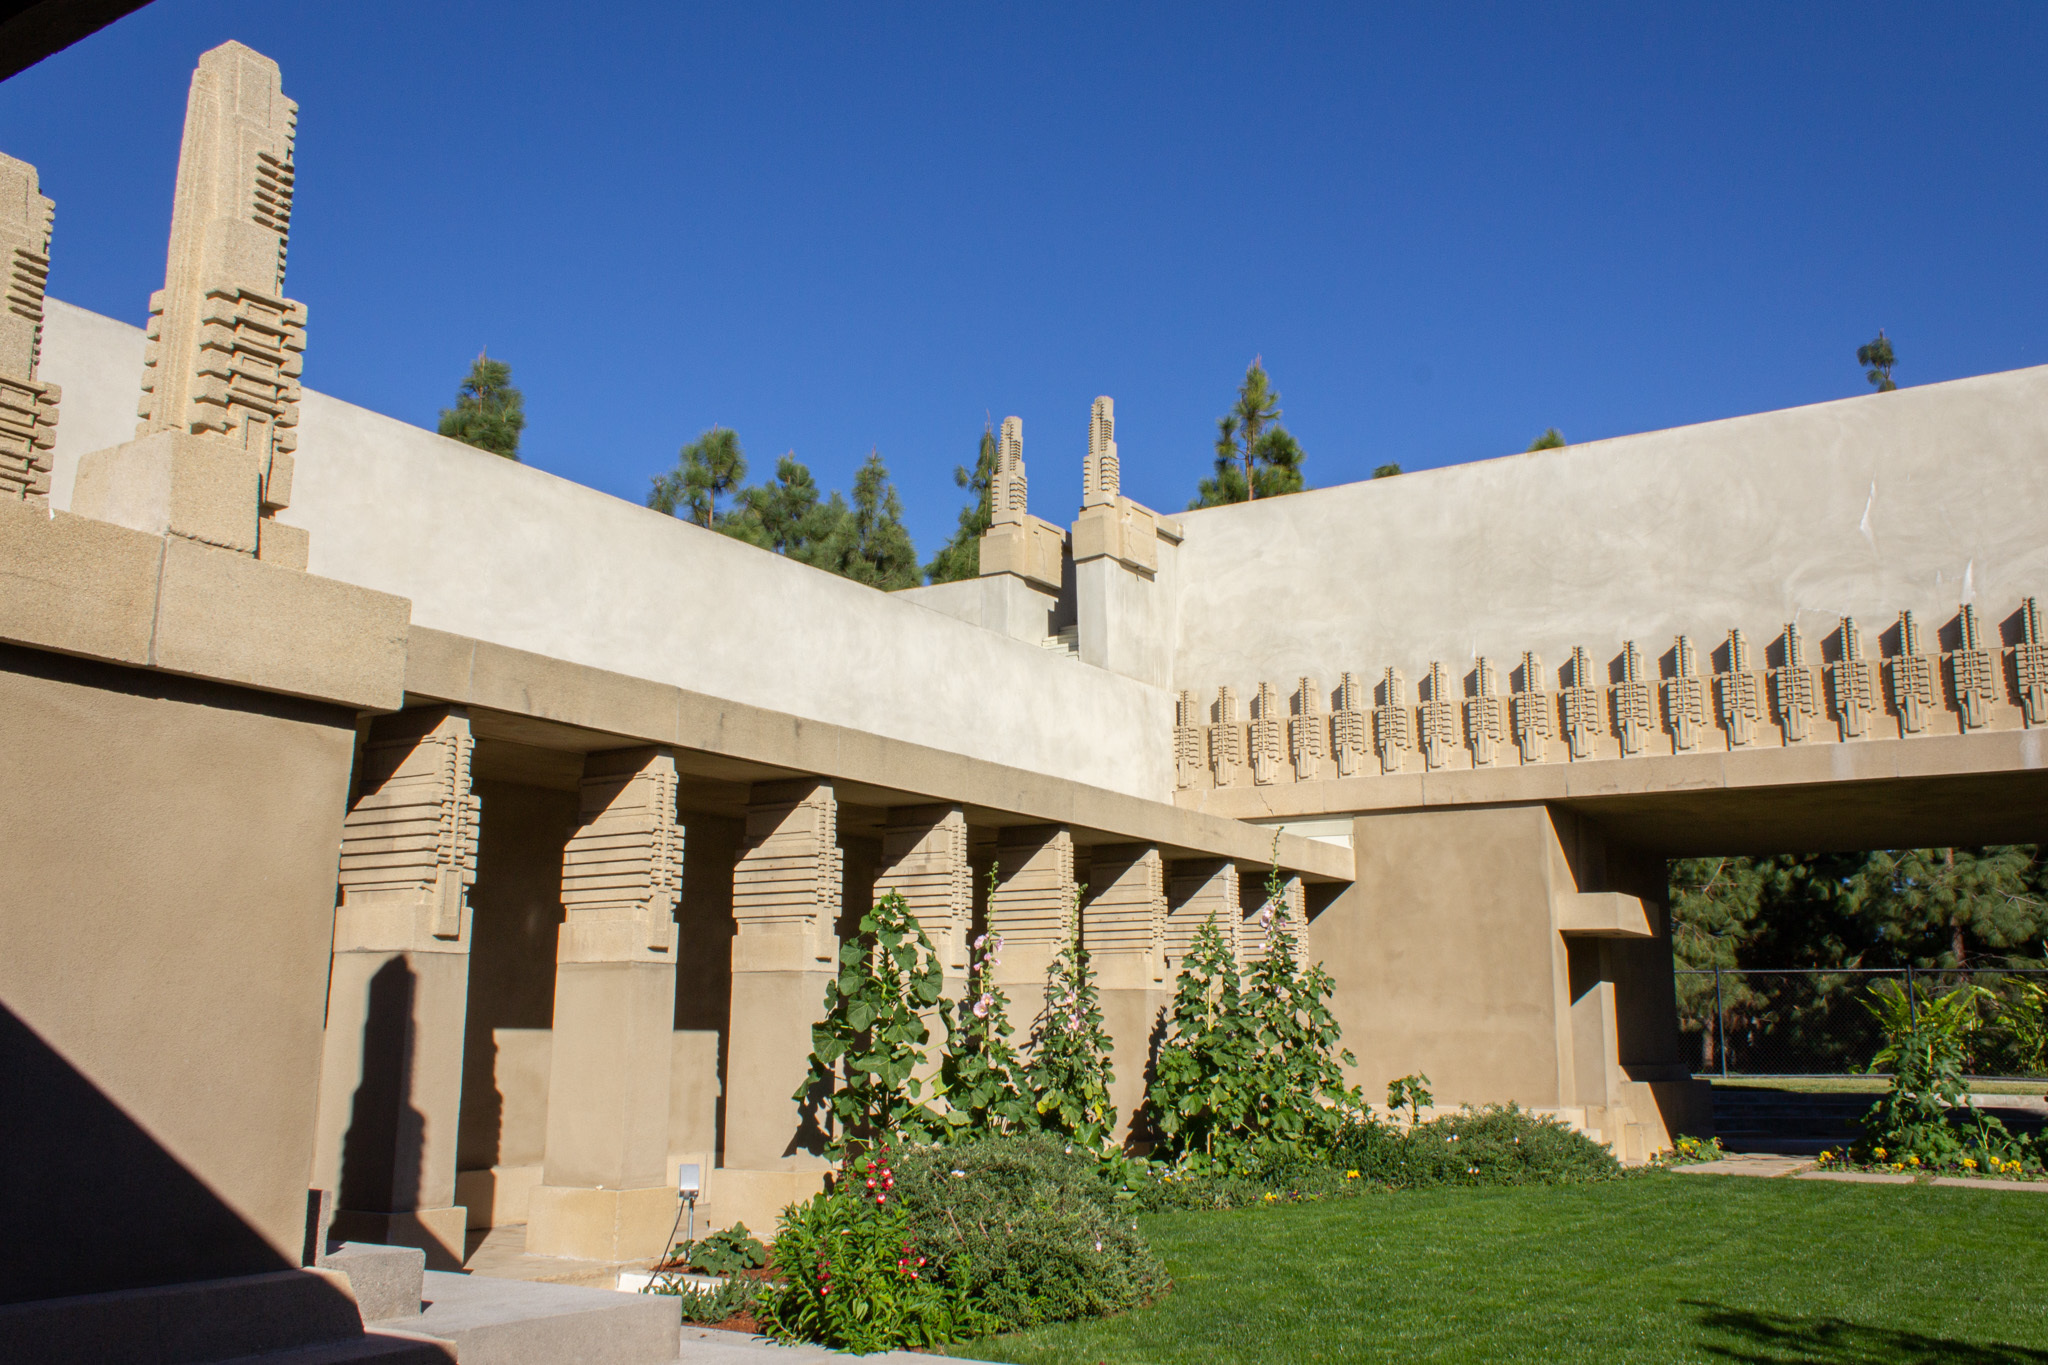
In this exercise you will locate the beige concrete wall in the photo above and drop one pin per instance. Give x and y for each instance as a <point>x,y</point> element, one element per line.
<point>1918,499</point>
<point>170,851</point>
<point>1445,960</point>
<point>508,553</point>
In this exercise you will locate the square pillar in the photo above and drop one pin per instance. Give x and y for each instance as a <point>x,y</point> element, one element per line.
<point>785,904</point>
<point>1123,927</point>
<point>391,1069</point>
<point>605,1193</point>
<point>1033,909</point>
<point>924,859</point>
<point>1197,889</point>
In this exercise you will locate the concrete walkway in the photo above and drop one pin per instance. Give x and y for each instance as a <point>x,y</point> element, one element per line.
<point>706,1346</point>
<point>1802,1168</point>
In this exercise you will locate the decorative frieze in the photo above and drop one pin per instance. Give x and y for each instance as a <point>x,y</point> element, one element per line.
<point>1970,672</point>
<point>1437,719</point>
<point>28,408</point>
<point>1634,713</point>
<point>1390,721</point>
<point>1852,684</point>
<point>1685,697</point>
<point>1483,727</point>
<point>1265,737</point>
<point>1794,693</point>
<point>1188,734</point>
<point>2030,665</point>
<point>622,871</point>
<point>1701,706</point>
<point>1226,739</point>
<point>1580,703</point>
<point>1306,732</point>
<point>1741,706</point>
<point>1532,711</point>
<point>1912,677</point>
<point>1348,727</point>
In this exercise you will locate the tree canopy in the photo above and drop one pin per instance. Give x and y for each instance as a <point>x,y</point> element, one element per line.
<point>960,557</point>
<point>1878,359</point>
<point>1934,908</point>
<point>488,413</point>
<point>1256,457</point>
<point>865,541</point>
<point>1551,439</point>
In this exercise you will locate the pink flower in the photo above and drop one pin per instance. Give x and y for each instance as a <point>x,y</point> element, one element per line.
<point>981,1008</point>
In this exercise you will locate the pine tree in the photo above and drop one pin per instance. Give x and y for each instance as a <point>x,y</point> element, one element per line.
<point>1256,457</point>
<point>1878,358</point>
<point>707,469</point>
<point>960,557</point>
<point>869,543</point>
<point>785,514</point>
<point>488,413</point>
<point>1069,1072</point>
<point>1931,904</point>
<point>1551,439</point>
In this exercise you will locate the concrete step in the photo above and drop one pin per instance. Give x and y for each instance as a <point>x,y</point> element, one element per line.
<point>524,1322</point>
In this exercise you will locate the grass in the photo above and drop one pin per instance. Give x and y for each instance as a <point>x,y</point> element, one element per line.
<point>1659,1267</point>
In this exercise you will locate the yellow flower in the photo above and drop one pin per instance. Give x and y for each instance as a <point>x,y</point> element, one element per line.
<point>1969,1163</point>
<point>1351,1175</point>
<point>1879,1154</point>
<point>1898,1166</point>
<point>1912,1161</point>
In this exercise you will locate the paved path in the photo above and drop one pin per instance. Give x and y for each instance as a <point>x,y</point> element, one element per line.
<point>1802,1168</point>
<point>707,1346</point>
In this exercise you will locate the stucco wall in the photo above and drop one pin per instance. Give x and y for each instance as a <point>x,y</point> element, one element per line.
<point>1919,499</point>
<point>510,554</point>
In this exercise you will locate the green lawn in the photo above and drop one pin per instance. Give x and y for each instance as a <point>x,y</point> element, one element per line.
<point>1657,1268</point>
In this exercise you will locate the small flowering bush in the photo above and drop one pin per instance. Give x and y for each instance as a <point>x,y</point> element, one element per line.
<point>1069,1072</point>
<point>1690,1151</point>
<point>1041,1233</point>
<point>856,1277</point>
<point>1497,1145</point>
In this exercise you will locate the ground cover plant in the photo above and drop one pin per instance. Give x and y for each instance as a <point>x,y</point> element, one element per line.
<point>1656,1267</point>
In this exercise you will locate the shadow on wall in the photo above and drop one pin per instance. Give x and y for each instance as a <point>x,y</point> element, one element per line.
<point>380,1153</point>
<point>92,1203</point>
<point>1769,1338</point>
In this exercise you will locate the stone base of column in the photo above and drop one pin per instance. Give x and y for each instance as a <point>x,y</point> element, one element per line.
<point>438,1232</point>
<point>600,1225</point>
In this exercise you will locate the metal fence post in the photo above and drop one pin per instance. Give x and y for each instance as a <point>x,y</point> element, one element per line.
<point>1912,1009</point>
<point>1720,1024</point>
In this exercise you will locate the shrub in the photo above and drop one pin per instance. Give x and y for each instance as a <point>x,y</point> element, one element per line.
<point>1497,1145</point>
<point>1039,1234</point>
<point>727,1299</point>
<point>856,1278</point>
<point>722,1253</point>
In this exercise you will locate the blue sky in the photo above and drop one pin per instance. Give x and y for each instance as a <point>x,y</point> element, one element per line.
<point>832,228</point>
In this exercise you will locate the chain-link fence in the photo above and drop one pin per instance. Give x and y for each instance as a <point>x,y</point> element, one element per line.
<point>1818,1023</point>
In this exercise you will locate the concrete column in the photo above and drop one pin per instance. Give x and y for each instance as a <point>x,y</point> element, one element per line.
<point>1123,927</point>
<point>924,859</point>
<point>785,904</point>
<point>605,1193</point>
<point>1198,889</point>
<point>1033,909</point>
<point>391,1070</point>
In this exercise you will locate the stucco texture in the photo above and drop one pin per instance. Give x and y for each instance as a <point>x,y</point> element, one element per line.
<point>167,908</point>
<point>503,552</point>
<point>1920,499</point>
